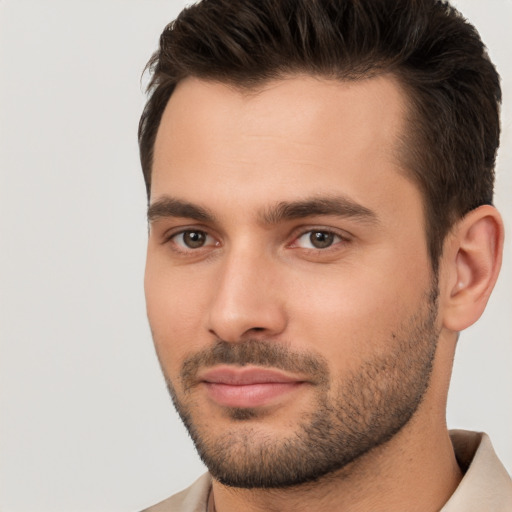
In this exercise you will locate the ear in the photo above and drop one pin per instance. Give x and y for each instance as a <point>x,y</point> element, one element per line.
<point>471,263</point>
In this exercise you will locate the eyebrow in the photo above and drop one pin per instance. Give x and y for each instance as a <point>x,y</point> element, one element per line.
<point>171,207</point>
<point>338,206</point>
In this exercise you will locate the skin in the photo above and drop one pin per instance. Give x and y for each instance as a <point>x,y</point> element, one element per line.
<point>236,154</point>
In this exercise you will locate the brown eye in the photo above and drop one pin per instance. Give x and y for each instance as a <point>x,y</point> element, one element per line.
<point>321,239</point>
<point>192,239</point>
<point>318,239</point>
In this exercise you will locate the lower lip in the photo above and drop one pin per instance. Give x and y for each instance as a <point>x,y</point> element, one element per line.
<point>249,395</point>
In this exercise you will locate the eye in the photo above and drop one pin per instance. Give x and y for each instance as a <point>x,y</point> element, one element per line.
<point>317,239</point>
<point>192,239</point>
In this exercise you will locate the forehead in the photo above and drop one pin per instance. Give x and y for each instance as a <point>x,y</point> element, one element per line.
<point>289,137</point>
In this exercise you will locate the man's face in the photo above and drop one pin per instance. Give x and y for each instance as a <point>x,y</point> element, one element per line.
<point>288,286</point>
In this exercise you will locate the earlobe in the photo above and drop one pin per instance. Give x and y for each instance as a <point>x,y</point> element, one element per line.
<point>472,264</point>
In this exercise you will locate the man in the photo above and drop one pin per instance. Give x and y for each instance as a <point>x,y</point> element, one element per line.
<point>320,177</point>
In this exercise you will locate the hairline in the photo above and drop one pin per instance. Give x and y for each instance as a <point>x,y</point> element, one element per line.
<point>256,86</point>
<point>406,138</point>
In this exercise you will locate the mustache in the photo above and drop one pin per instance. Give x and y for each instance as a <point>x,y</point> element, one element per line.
<point>258,353</point>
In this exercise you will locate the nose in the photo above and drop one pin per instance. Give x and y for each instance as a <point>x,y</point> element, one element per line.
<point>248,301</point>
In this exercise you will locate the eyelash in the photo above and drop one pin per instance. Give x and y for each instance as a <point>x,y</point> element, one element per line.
<point>338,239</point>
<point>187,250</point>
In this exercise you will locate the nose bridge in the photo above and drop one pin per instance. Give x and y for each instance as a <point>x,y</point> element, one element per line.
<point>246,300</point>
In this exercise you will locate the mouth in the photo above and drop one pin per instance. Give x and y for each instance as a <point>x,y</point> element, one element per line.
<point>248,387</point>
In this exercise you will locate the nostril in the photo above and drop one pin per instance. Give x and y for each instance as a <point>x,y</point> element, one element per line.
<point>254,331</point>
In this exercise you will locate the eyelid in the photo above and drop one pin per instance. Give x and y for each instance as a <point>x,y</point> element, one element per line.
<point>176,230</point>
<point>303,230</point>
<point>167,238</point>
<point>298,232</point>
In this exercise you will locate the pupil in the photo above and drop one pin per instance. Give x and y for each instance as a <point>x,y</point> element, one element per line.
<point>321,239</point>
<point>194,239</point>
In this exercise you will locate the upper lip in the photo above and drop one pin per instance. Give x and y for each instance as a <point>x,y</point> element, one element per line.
<point>236,376</point>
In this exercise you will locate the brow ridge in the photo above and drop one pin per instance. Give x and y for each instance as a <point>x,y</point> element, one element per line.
<point>172,207</point>
<point>339,206</point>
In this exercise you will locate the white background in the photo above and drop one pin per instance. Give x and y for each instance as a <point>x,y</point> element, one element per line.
<point>85,421</point>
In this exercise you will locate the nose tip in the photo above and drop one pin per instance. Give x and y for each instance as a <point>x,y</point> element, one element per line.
<point>246,304</point>
<point>234,321</point>
<point>232,331</point>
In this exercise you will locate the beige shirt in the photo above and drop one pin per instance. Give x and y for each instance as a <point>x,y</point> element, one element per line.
<point>485,487</point>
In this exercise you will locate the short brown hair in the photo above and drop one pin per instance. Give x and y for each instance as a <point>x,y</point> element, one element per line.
<point>437,56</point>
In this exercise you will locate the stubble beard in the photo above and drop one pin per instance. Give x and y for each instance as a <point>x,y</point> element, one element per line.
<point>351,416</point>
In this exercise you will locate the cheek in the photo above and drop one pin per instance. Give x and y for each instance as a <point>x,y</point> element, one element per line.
<point>175,308</point>
<point>352,314</point>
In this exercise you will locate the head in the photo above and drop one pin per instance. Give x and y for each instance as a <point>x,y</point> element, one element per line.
<point>313,169</point>
<point>451,87</point>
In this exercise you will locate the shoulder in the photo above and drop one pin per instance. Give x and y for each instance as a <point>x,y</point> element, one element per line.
<point>486,484</point>
<point>192,499</point>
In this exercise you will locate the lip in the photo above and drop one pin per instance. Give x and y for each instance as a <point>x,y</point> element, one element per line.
<point>247,387</point>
